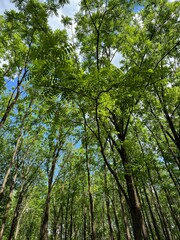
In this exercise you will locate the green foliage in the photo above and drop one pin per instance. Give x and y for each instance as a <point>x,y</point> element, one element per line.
<point>86,144</point>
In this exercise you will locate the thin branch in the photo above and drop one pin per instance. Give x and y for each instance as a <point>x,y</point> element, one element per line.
<point>166,54</point>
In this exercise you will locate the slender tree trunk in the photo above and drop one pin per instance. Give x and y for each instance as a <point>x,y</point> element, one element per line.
<point>116,218</point>
<point>17,213</point>
<point>175,137</point>
<point>169,199</point>
<point>108,206</point>
<point>45,218</point>
<point>44,225</point>
<point>84,214</point>
<point>125,219</point>
<point>139,228</point>
<point>71,216</point>
<point>162,217</point>
<point>61,225</point>
<point>126,226</point>
<point>13,98</point>
<point>8,206</point>
<point>91,200</point>
<point>10,166</point>
<point>103,220</point>
<point>18,222</point>
<point>66,214</point>
<point>84,223</point>
<point>146,215</point>
<point>55,220</point>
<point>154,221</point>
<point>166,134</point>
<point>159,207</point>
<point>168,168</point>
<point>149,225</point>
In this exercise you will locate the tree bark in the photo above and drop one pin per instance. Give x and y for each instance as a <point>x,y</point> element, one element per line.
<point>116,219</point>
<point>154,221</point>
<point>91,200</point>
<point>45,218</point>
<point>18,142</point>
<point>17,213</point>
<point>139,228</point>
<point>111,234</point>
<point>159,209</point>
<point>8,206</point>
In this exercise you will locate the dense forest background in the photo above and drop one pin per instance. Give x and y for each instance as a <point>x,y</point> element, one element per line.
<point>89,149</point>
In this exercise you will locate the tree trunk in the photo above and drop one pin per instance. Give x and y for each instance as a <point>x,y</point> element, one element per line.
<point>45,218</point>
<point>135,208</point>
<point>175,137</point>
<point>159,209</point>
<point>111,234</point>
<point>10,166</point>
<point>44,224</point>
<point>17,213</point>
<point>169,199</point>
<point>66,214</point>
<point>125,222</point>
<point>116,219</point>
<point>154,221</point>
<point>18,222</point>
<point>84,224</point>
<point>8,206</point>
<point>91,200</point>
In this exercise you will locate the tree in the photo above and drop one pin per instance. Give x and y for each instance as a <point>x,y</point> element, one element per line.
<point>90,150</point>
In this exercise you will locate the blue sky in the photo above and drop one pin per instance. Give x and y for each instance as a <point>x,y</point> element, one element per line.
<point>5,4</point>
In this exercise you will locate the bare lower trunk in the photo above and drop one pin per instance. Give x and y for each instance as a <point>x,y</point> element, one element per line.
<point>111,234</point>
<point>18,222</point>
<point>17,213</point>
<point>139,228</point>
<point>125,219</point>
<point>7,207</point>
<point>84,223</point>
<point>45,218</point>
<point>66,215</point>
<point>9,168</point>
<point>154,221</point>
<point>116,220</point>
<point>44,224</point>
<point>91,200</point>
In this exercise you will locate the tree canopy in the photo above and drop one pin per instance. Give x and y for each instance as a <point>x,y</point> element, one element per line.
<point>90,149</point>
